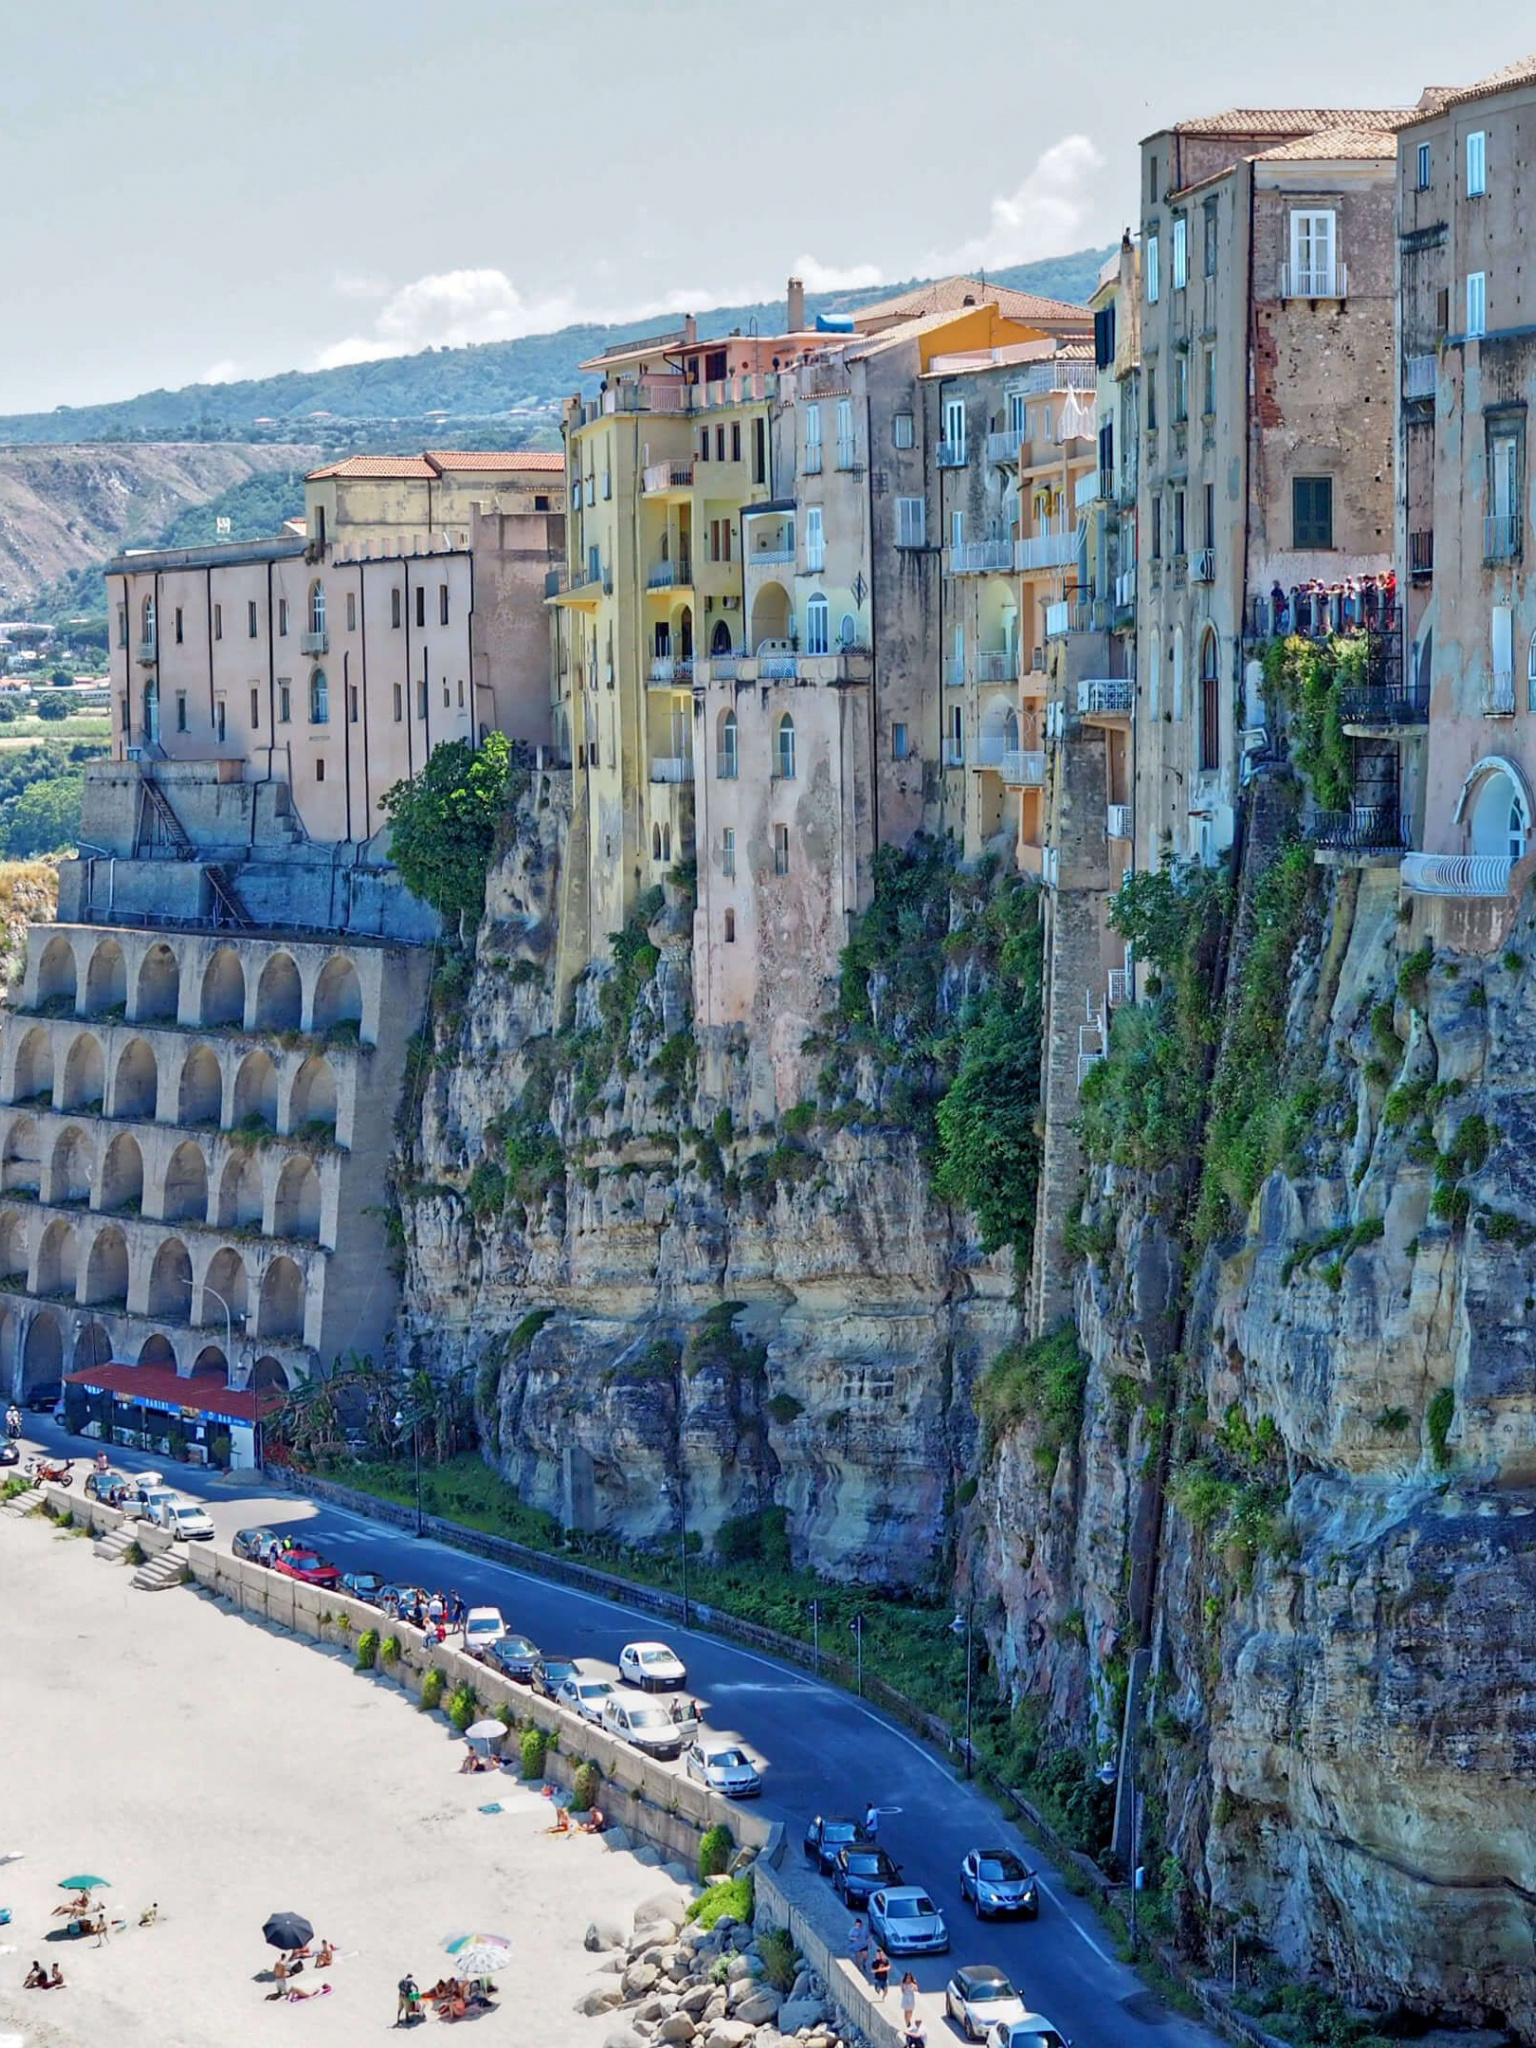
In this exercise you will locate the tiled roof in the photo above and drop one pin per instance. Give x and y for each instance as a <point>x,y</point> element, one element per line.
<point>957,294</point>
<point>1438,98</point>
<point>377,466</point>
<point>544,459</point>
<point>1283,121</point>
<point>162,1387</point>
<point>1331,145</point>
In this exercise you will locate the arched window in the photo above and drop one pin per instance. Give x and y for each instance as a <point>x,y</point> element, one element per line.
<point>1011,733</point>
<point>151,711</point>
<point>720,638</point>
<point>655,842</point>
<point>319,699</point>
<point>147,620</point>
<point>729,762</point>
<point>817,625</point>
<point>848,631</point>
<point>1210,703</point>
<point>317,607</point>
<point>786,749</point>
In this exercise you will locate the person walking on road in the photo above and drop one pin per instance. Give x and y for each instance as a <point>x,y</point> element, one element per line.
<point>858,1947</point>
<point>908,1997</point>
<point>871,1822</point>
<point>880,1970</point>
<point>456,1610</point>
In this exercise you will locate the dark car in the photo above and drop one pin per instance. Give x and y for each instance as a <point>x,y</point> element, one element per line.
<point>367,1586</point>
<point>859,1869</point>
<point>551,1672</point>
<point>515,1656</point>
<point>99,1485</point>
<point>825,1837</point>
<point>9,1455</point>
<point>996,1882</point>
<point>253,1544</point>
<point>308,1567</point>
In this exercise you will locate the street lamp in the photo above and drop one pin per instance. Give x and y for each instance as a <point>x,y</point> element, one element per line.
<point>961,1626</point>
<point>815,1614</point>
<point>229,1366</point>
<point>857,1625</point>
<point>414,1420</point>
<point>674,1491</point>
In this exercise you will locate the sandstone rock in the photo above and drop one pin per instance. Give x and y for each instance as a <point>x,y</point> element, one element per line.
<point>741,1966</point>
<point>728,2034</point>
<point>679,2027</point>
<point>657,2007</point>
<point>639,1978</point>
<point>694,2001</point>
<point>714,2008</point>
<point>601,1998</point>
<point>796,2014</point>
<point>660,1906</point>
<point>603,1934</point>
<point>623,2037</point>
<point>760,2003</point>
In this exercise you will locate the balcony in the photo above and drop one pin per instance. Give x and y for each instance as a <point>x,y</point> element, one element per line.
<point>1314,281</point>
<point>1363,828</point>
<point>951,455</point>
<point>1457,874</point>
<point>1066,617</point>
<point>1420,375</point>
<point>723,668</point>
<point>658,477</point>
<point>980,558</point>
<point>1421,555</point>
<point>1125,589</point>
<point>1499,695</point>
<point>1501,537</point>
<point>1090,487</point>
<point>669,576</point>
<point>1393,705</point>
<point>1023,768</point>
<point>1105,696</point>
<point>315,643</point>
<point>671,768</point>
<point>997,665</point>
<point>149,650</point>
<point>1202,566</point>
<point>777,663</point>
<point>1045,551</point>
<point>671,671</point>
<point>775,556</point>
<point>1117,821</point>
<point>1066,373</point>
<point>1122,982</point>
<point>1003,448</point>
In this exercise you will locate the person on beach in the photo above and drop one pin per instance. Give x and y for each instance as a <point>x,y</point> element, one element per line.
<point>56,1980</point>
<point>36,1979</point>
<point>325,1955</point>
<point>148,1918</point>
<point>595,1822</point>
<point>407,2001</point>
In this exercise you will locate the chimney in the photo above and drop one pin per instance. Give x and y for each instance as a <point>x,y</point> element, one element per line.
<point>690,328</point>
<point>796,310</point>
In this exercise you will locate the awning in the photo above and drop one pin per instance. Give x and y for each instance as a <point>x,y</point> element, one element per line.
<point>163,1388</point>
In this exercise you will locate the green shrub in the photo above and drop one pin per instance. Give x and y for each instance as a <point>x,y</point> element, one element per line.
<point>1202,1496</point>
<point>762,1538</point>
<point>1042,1382</point>
<point>533,1747</point>
<point>463,1706</point>
<point>1394,1421</point>
<point>1414,970</point>
<point>783,1409</point>
<point>389,1650</point>
<point>585,1786</point>
<point>715,1846</point>
<point>781,1959</point>
<point>443,823</point>
<point>732,1898</point>
<point>433,1686</point>
<point>1442,1413</point>
<point>367,1649</point>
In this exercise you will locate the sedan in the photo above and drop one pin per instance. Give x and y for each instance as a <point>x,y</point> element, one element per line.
<point>823,1839</point>
<point>651,1666</point>
<point>483,1629</point>
<point>551,1672</point>
<point>404,1600</point>
<point>515,1656</point>
<point>980,2000</point>
<point>585,1696</point>
<point>996,1882</point>
<point>98,1485</point>
<point>308,1567</point>
<point>730,1771</point>
<point>253,1544</point>
<point>9,1455</point>
<point>1032,2031</point>
<point>907,1922</point>
<point>187,1521</point>
<point>365,1586</point>
<point>860,1869</point>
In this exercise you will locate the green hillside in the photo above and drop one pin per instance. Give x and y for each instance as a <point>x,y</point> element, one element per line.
<point>500,394</point>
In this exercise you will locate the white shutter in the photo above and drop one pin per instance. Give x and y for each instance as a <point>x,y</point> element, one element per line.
<point>1477,302</point>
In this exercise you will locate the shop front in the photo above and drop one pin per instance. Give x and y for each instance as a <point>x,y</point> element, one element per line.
<point>199,1420</point>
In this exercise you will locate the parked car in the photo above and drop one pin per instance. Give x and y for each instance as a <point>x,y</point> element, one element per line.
<point>824,1838</point>
<point>253,1544</point>
<point>187,1520</point>
<point>907,1922</point>
<point>979,1999</point>
<point>365,1586</point>
<point>652,1666</point>
<point>515,1656</point>
<point>404,1600</point>
<point>98,1485</point>
<point>144,1502</point>
<point>9,1454</point>
<point>483,1629</point>
<point>551,1669</point>
<point>308,1567</point>
<point>1032,2031</point>
<point>995,1881</point>
<point>859,1869</point>
<point>647,1726</point>
<point>586,1696</point>
<point>730,1771</point>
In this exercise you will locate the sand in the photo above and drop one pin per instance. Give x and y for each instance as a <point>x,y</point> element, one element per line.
<point>227,1771</point>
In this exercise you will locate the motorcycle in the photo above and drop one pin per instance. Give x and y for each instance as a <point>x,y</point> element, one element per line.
<point>52,1471</point>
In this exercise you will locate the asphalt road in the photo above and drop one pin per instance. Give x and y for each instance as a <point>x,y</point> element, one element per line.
<point>823,1751</point>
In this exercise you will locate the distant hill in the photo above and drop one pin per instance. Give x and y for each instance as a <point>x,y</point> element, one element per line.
<point>508,392</point>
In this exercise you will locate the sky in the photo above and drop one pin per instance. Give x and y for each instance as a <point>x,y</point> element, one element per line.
<point>200,192</point>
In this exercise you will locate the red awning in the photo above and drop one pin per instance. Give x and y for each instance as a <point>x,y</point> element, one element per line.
<point>162,1387</point>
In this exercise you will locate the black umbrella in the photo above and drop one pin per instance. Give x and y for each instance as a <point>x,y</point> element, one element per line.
<point>288,1930</point>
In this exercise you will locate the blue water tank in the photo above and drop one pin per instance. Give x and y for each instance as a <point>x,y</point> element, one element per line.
<point>834,323</point>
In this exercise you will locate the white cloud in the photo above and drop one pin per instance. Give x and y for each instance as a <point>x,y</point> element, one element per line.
<point>450,309</point>
<point>1047,215</point>
<point>222,372</point>
<point>827,277</point>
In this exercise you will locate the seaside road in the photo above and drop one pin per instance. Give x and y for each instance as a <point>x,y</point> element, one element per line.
<point>823,1751</point>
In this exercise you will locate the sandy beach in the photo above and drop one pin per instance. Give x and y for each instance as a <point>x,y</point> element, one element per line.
<point>226,1771</point>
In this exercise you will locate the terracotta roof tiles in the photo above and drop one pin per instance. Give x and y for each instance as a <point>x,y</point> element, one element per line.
<point>1438,98</point>
<point>1283,121</point>
<point>1333,145</point>
<point>541,459</point>
<point>957,294</point>
<point>375,466</point>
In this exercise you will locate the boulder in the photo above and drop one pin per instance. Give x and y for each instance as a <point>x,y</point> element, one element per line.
<point>679,1873</point>
<point>660,1906</point>
<point>760,2003</point>
<point>796,2013</point>
<point>715,2009</point>
<point>727,2034</point>
<point>678,2028</point>
<point>603,1934</point>
<point>623,2037</point>
<point>601,1998</point>
<point>639,1978</point>
<point>741,1966</point>
<point>614,1838</point>
<point>694,2001</point>
<point>659,2006</point>
<point>650,1857</point>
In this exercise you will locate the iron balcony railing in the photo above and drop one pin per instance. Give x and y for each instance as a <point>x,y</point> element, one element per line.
<point>149,650</point>
<point>1457,874</point>
<point>1069,616</point>
<point>1385,703</point>
<point>1125,588</point>
<point>980,558</point>
<point>673,669</point>
<point>1314,281</point>
<point>1202,566</point>
<point>671,768</point>
<point>810,459</point>
<point>1104,694</point>
<point>1004,447</point>
<point>1058,373</point>
<point>1320,615</point>
<point>1421,555</point>
<point>315,642</point>
<point>1363,828</point>
<point>847,455</point>
<point>1117,821</point>
<point>1420,374</point>
<point>997,665</point>
<point>1023,768</point>
<point>1499,694</point>
<point>1045,551</point>
<point>778,667</point>
<point>772,557</point>
<point>669,575</point>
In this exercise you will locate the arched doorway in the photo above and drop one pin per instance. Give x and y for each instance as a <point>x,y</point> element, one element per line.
<point>256,1092</point>
<point>338,995</point>
<point>297,1209</point>
<point>33,1080</point>
<point>281,1313</point>
<point>56,976</point>
<point>42,1357</point>
<point>72,1162</point>
<point>186,1185</point>
<point>122,1174</point>
<point>159,985</point>
<point>1500,820</point>
<point>224,988</point>
<point>279,997</point>
<point>270,1375</point>
<point>106,1269</point>
<point>240,1202</point>
<point>157,1350</point>
<point>57,1270</point>
<point>210,1368</point>
<point>93,1347</point>
<point>84,1074</point>
<point>227,1286</point>
<point>770,615</point>
<point>170,1282</point>
<point>138,1082</point>
<point>200,1098</point>
<point>106,980</point>
<point>314,1096</point>
<point>720,638</point>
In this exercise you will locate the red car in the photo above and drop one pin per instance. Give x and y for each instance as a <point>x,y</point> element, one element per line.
<point>308,1567</point>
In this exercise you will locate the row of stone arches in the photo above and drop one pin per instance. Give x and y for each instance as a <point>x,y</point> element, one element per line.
<point>100,981</point>
<point>37,1350</point>
<point>201,1087</point>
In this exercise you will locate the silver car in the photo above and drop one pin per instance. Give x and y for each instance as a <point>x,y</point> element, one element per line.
<point>730,1771</point>
<point>906,1922</point>
<point>585,1696</point>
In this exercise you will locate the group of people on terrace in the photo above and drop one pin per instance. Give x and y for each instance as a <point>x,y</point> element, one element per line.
<point>1315,609</point>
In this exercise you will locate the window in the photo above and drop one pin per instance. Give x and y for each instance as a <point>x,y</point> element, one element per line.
<point>255,709</point>
<point>1314,253</point>
<point>954,428</point>
<point>847,631</point>
<point>541,498</point>
<point>818,632</point>
<point>759,451</point>
<point>1152,269</point>
<point>317,607</point>
<point>122,625</point>
<point>1149,385</point>
<point>1018,414</point>
<point>1477,164</point>
<point>899,731</point>
<point>781,849</point>
<point>1210,705</point>
<point>911,522</point>
<point>282,617</point>
<point>1210,237</point>
<point>351,611</point>
<point>812,439</point>
<point>285,703</point>
<point>1504,532</point>
<point>730,927</point>
<point>319,699</point>
<point>399,698</point>
<point>394,607</point>
<point>1312,512</point>
<point>719,457</point>
<point>179,641</point>
<point>954,737</point>
<point>421,691</point>
<point>957,657</point>
<point>845,433</point>
<point>1422,180</point>
<point>1103,338</point>
<point>902,435</point>
<point>1477,303</point>
<point>1157,527</point>
<point>351,703</point>
<point>442,604</point>
<point>735,440</point>
<point>218,721</point>
<point>1530,676</point>
<point>1178,521</point>
<point>1152,183</point>
<point>421,604</point>
<point>703,444</point>
<point>728,757</point>
<point>785,749</point>
<point>320,768</point>
<point>250,619</point>
<point>1179,254</point>
<point>1180,386</point>
<point>181,710</point>
<point>815,540</point>
<point>1208,510</point>
<point>728,853</point>
<point>1208,382</point>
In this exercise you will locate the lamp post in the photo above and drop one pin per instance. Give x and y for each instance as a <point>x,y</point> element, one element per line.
<point>961,1626</point>
<point>815,1614</point>
<point>414,1420</point>
<point>672,1490</point>
<point>229,1364</point>
<point>857,1625</point>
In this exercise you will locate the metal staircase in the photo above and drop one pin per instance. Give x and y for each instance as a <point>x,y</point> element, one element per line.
<point>160,831</point>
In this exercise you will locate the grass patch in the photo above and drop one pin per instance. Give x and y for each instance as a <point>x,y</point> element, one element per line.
<point>731,1898</point>
<point>1041,1383</point>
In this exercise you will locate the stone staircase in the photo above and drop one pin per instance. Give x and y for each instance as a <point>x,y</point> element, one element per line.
<point>155,1574</point>
<point>24,1503</point>
<point>116,1544</point>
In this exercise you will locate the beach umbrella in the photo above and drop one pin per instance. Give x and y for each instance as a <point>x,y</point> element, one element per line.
<point>486,1731</point>
<point>83,1884</point>
<point>288,1930</point>
<point>479,1955</point>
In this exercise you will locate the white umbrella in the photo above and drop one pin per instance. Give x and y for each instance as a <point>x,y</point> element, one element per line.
<point>486,1731</point>
<point>479,1955</point>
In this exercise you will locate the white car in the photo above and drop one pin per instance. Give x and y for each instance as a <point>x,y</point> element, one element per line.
<point>185,1519</point>
<point>483,1626</point>
<point>585,1696</point>
<point>647,1726</point>
<point>145,1506</point>
<point>651,1666</point>
<point>1032,2031</point>
<point>729,1770</point>
<point>979,1999</point>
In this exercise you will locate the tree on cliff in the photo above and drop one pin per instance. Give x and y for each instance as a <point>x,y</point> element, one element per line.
<point>443,824</point>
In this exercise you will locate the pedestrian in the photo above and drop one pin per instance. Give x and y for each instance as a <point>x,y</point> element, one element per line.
<point>880,1970</point>
<point>437,1607</point>
<point>408,2001</point>
<point>871,1822</point>
<point>456,1609</point>
<point>913,2035</point>
<point>858,1947</point>
<point>908,1997</point>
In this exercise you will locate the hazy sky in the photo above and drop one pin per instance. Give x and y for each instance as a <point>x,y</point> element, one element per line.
<point>197,188</point>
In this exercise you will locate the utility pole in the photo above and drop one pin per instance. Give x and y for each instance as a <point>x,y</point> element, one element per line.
<point>415,1423</point>
<point>962,1624</point>
<point>857,1625</point>
<point>815,1613</point>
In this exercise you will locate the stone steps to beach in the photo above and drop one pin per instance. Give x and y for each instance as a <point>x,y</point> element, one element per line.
<point>116,1544</point>
<point>24,1503</point>
<point>156,1573</point>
